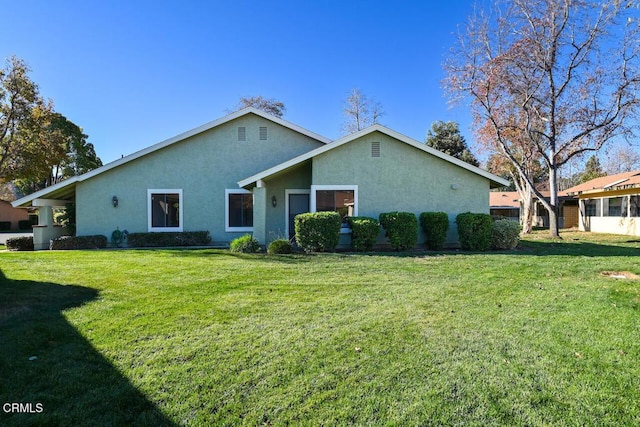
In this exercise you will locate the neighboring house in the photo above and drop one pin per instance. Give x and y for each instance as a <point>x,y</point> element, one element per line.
<point>505,204</point>
<point>253,172</point>
<point>10,214</point>
<point>610,204</point>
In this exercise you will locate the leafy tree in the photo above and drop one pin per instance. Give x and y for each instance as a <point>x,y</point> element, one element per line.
<point>24,119</point>
<point>446,137</point>
<point>536,76</point>
<point>592,170</point>
<point>68,154</point>
<point>360,112</point>
<point>270,106</point>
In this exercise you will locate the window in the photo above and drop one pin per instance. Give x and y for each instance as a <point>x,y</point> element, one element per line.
<point>635,206</point>
<point>592,207</point>
<point>242,133</point>
<point>263,133</point>
<point>335,198</point>
<point>615,206</point>
<point>239,210</point>
<point>165,210</point>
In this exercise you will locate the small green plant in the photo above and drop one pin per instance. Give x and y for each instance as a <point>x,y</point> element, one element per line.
<point>401,228</point>
<point>364,232</point>
<point>435,226</point>
<point>506,234</point>
<point>475,231</point>
<point>118,237</point>
<point>280,246</point>
<point>318,231</point>
<point>245,244</point>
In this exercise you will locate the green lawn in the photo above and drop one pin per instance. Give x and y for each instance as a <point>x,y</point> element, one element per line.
<point>536,336</point>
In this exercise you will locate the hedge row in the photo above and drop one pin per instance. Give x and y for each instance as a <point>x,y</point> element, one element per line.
<point>401,228</point>
<point>318,231</point>
<point>185,238</point>
<point>78,242</point>
<point>24,243</point>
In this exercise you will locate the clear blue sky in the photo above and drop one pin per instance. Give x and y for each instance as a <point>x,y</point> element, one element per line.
<point>133,73</point>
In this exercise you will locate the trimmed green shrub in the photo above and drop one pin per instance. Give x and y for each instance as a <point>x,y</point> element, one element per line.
<point>24,243</point>
<point>5,225</point>
<point>25,224</point>
<point>474,231</point>
<point>318,231</point>
<point>401,228</point>
<point>435,226</point>
<point>364,232</point>
<point>245,244</point>
<point>506,234</point>
<point>280,246</point>
<point>78,242</point>
<point>154,240</point>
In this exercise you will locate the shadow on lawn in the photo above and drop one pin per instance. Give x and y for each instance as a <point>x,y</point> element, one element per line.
<point>577,248</point>
<point>46,363</point>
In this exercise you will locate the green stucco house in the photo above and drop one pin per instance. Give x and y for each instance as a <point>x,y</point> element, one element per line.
<point>253,172</point>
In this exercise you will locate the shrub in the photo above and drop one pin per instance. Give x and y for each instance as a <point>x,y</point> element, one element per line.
<point>154,240</point>
<point>24,243</point>
<point>245,244</point>
<point>401,228</point>
<point>318,231</point>
<point>5,225</point>
<point>506,234</point>
<point>474,231</point>
<point>364,232</point>
<point>78,242</point>
<point>280,246</point>
<point>25,224</point>
<point>435,226</point>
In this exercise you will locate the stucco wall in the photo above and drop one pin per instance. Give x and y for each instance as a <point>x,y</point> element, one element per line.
<point>403,178</point>
<point>11,214</point>
<point>203,166</point>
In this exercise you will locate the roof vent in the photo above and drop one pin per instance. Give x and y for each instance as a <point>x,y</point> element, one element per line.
<point>375,149</point>
<point>242,133</point>
<point>263,133</point>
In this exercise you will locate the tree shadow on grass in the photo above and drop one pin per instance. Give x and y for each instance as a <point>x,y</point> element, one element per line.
<point>46,363</point>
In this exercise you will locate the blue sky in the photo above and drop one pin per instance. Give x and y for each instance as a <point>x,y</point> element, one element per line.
<point>133,73</point>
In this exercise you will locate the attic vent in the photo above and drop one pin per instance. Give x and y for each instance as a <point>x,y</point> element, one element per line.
<point>263,133</point>
<point>375,149</point>
<point>242,133</point>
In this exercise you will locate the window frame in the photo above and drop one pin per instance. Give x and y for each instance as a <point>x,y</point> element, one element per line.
<point>150,226</point>
<point>341,187</point>
<point>227,227</point>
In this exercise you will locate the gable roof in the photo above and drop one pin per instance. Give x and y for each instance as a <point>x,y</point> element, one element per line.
<point>66,188</point>
<point>610,182</point>
<point>496,181</point>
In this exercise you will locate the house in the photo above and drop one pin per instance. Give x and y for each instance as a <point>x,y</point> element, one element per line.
<point>505,204</point>
<point>610,204</point>
<point>250,172</point>
<point>11,215</point>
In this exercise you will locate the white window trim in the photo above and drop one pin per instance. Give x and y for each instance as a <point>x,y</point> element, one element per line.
<point>286,205</point>
<point>315,188</point>
<point>227,228</point>
<point>177,191</point>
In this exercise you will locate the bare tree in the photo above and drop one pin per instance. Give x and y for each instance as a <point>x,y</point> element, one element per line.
<point>271,106</point>
<point>360,112</point>
<point>561,76</point>
<point>622,158</point>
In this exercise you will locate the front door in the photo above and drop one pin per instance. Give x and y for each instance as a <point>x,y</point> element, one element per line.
<point>297,203</point>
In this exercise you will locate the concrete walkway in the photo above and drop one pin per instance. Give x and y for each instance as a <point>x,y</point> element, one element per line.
<point>5,236</point>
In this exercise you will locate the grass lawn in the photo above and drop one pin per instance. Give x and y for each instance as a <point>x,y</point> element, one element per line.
<point>536,336</point>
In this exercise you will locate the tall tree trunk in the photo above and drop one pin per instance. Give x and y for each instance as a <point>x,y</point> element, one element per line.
<point>554,226</point>
<point>526,216</point>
